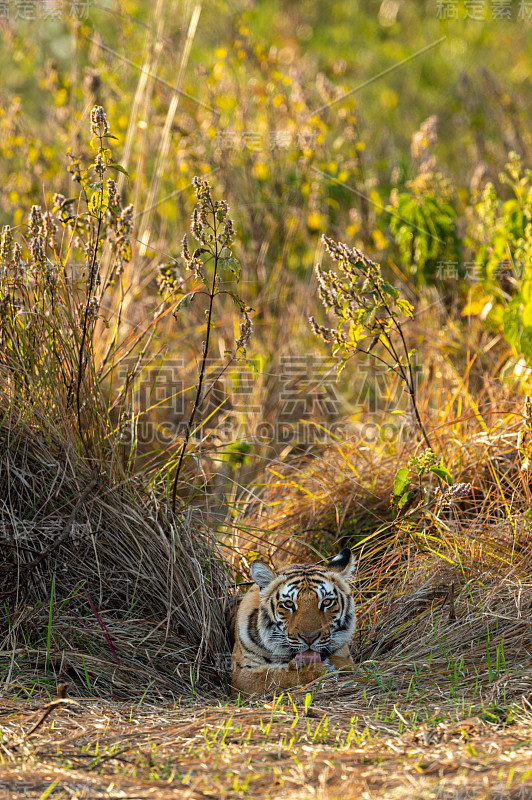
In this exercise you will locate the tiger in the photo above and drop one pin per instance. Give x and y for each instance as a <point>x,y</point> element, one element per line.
<point>294,625</point>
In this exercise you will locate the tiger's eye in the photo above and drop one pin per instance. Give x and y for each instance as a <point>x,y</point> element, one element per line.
<point>288,604</point>
<point>327,603</point>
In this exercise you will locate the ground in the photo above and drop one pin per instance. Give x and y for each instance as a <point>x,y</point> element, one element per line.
<point>294,747</point>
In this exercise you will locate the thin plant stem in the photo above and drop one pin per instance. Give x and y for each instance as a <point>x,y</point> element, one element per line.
<point>198,399</point>
<point>409,380</point>
<point>84,331</point>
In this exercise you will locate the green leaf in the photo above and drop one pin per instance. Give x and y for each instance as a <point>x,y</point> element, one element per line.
<point>368,319</point>
<point>230,268</point>
<point>405,498</point>
<point>442,473</point>
<point>357,333</point>
<point>237,301</point>
<point>120,169</point>
<point>406,307</point>
<point>341,366</point>
<point>185,300</point>
<point>527,304</point>
<point>525,343</point>
<point>401,482</point>
<point>391,290</point>
<point>199,252</point>
<point>512,323</point>
<point>99,203</point>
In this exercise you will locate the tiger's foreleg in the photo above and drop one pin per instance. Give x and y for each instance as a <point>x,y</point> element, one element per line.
<point>342,665</point>
<point>264,680</point>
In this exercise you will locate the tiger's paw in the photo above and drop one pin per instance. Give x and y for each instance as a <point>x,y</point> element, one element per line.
<point>307,672</point>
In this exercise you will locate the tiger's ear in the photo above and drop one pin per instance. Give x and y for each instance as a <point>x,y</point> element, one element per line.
<point>344,564</point>
<point>262,574</point>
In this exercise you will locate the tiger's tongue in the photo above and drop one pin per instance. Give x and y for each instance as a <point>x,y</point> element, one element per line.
<point>308,657</point>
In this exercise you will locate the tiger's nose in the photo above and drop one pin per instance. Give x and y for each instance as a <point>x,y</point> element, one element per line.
<point>309,639</point>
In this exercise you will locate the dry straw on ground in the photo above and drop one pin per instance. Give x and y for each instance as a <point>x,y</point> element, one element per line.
<point>98,583</point>
<point>101,749</point>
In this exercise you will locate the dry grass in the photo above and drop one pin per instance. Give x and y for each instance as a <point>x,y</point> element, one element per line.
<point>338,493</point>
<point>98,583</point>
<point>333,750</point>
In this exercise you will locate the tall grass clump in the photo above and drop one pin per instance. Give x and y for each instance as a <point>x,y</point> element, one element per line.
<point>100,581</point>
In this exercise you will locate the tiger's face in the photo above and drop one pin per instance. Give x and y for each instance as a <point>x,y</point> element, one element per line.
<point>306,607</point>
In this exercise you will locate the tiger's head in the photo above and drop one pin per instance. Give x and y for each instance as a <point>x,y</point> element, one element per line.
<point>306,607</point>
